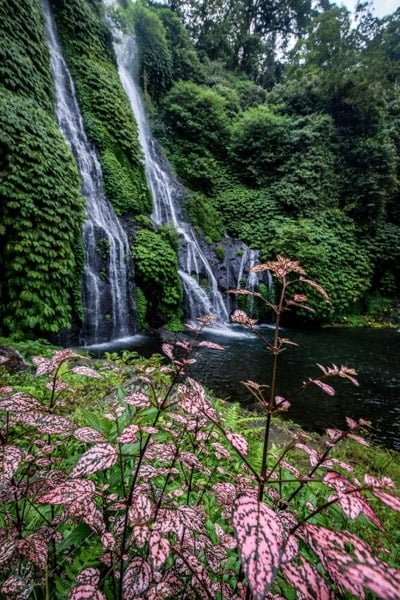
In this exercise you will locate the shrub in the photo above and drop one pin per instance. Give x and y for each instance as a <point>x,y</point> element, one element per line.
<point>198,115</point>
<point>156,264</point>
<point>260,144</point>
<point>155,496</point>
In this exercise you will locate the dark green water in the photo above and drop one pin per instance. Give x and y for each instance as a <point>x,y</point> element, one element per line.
<point>375,354</point>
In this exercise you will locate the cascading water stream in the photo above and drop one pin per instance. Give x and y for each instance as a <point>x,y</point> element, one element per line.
<point>106,295</point>
<point>165,190</point>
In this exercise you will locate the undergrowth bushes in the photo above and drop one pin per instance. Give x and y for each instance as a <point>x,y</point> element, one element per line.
<point>155,491</point>
<point>156,264</point>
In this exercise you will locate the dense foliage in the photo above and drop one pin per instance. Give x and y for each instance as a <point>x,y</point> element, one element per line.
<point>311,155</point>
<point>107,115</point>
<point>41,208</point>
<point>157,491</point>
<point>156,261</point>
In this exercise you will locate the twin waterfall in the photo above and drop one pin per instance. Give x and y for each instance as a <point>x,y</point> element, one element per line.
<point>108,274</point>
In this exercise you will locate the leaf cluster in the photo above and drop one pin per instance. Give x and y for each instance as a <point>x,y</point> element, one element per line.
<point>156,264</point>
<point>157,493</point>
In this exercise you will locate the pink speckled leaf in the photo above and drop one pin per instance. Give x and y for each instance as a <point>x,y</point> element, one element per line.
<point>128,436</point>
<point>190,460</point>
<point>293,470</point>
<point>328,389</point>
<point>35,549</point>
<point>45,423</point>
<point>89,576</point>
<point>86,592</point>
<point>385,482</point>
<point>168,350</point>
<point>5,390</point>
<point>15,588</point>
<point>97,458</point>
<point>388,499</point>
<point>137,579</point>
<point>351,501</point>
<point>190,517</point>
<point>7,548</point>
<point>221,451</point>
<point>140,535</point>
<point>85,509</point>
<point>225,493</point>
<point>43,365</point>
<point>238,442</point>
<point>382,580</point>
<point>261,539</point>
<point>307,582</point>
<point>10,461</point>
<point>138,400</point>
<point>358,439</point>
<point>226,540</point>
<point>210,345</point>
<point>159,592</point>
<point>313,454</point>
<point>108,541</point>
<point>334,434</point>
<point>20,402</point>
<point>351,423</point>
<point>68,492</point>
<point>159,549</point>
<point>87,434</point>
<point>140,510</point>
<point>57,386</point>
<point>86,372</point>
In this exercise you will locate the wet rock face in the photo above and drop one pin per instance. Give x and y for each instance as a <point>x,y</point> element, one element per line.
<point>231,262</point>
<point>11,360</point>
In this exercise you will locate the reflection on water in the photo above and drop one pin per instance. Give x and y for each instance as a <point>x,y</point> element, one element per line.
<point>374,353</point>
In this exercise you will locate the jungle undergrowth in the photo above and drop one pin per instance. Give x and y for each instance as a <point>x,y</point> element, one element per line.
<point>155,494</point>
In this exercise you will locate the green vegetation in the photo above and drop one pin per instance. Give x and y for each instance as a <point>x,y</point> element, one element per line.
<point>288,155</point>
<point>142,468</point>
<point>298,156</point>
<point>41,255</point>
<point>156,263</point>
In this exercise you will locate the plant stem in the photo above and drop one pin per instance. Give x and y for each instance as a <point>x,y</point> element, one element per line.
<point>275,352</point>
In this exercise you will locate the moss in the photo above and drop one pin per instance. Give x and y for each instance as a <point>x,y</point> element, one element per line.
<point>141,309</point>
<point>41,253</point>
<point>42,212</point>
<point>204,216</point>
<point>24,56</point>
<point>156,262</point>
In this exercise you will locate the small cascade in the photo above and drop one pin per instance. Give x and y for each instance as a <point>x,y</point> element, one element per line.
<point>249,259</point>
<point>106,295</point>
<point>252,278</point>
<point>199,282</point>
<point>246,278</point>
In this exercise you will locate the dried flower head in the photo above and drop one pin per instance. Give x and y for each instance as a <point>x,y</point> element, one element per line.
<point>239,316</point>
<point>280,267</point>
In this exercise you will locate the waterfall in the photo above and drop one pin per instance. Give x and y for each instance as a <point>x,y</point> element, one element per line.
<point>251,281</point>
<point>252,278</point>
<point>105,294</point>
<point>199,282</point>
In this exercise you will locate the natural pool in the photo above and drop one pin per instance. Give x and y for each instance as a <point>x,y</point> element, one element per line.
<point>375,354</point>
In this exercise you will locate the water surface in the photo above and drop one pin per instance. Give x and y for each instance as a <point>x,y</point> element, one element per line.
<point>374,353</point>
